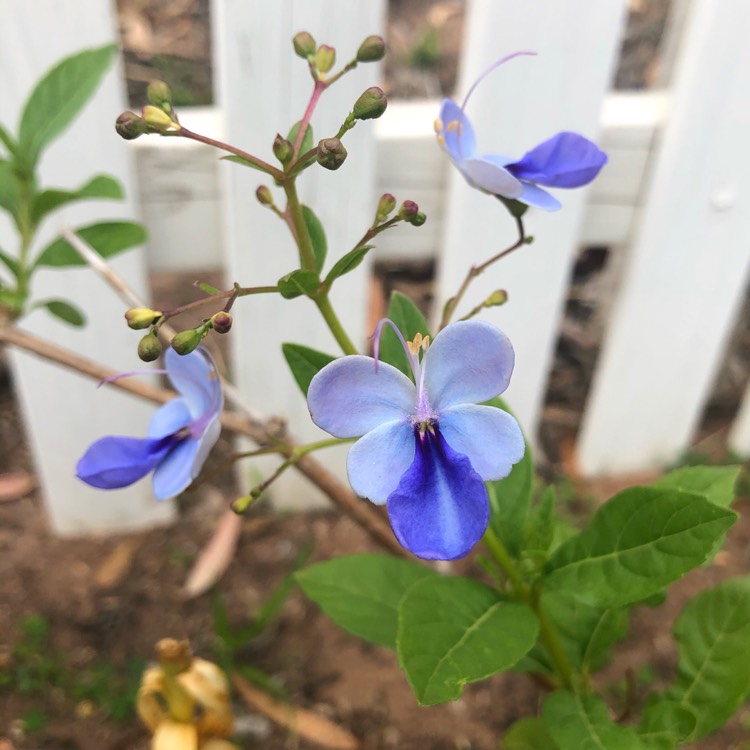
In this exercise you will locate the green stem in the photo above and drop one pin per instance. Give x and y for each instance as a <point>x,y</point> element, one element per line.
<point>241,292</point>
<point>505,561</point>
<point>330,317</point>
<point>301,235</point>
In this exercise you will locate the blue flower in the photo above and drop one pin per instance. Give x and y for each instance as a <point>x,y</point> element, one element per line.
<point>426,447</point>
<point>180,436</point>
<point>567,160</point>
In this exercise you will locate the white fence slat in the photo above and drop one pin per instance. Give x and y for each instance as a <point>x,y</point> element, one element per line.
<point>688,264</point>
<point>739,436</point>
<point>64,412</point>
<point>263,89</point>
<point>518,106</point>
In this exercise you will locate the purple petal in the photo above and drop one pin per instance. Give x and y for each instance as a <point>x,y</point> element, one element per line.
<point>170,418</point>
<point>439,510</point>
<point>115,461</point>
<point>566,160</point>
<point>377,460</point>
<point>458,139</point>
<point>489,437</point>
<point>195,376</point>
<point>348,398</point>
<point>176,471</point>
<point>468,362</point>
<point>535,196</point>
<point>488,176</point>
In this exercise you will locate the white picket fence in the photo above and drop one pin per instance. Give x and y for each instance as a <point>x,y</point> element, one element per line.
<point>674,204</point>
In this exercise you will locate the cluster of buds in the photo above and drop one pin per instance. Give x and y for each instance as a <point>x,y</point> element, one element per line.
<point>156,117</point>
<point>184,701</point>
<point>409,212</point>
<point>321,59</point>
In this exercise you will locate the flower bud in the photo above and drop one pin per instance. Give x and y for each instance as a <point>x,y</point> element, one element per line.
<point>331,153</point>
<point>130,126</point>
<point>149,347</point>
<point>141,317</point>
<point>386,204</point>
<point>158,120</point>
<point>304,44</point>
<point>187,341</point>
<point>159,94</point>
<point>325,58</point>
<point>370,105</point>
<point>263,194</point>
<point>221,322</point>
<point>371,50</point>
<point>408,210</point>
<point>282,149</point>
<point>419,219</point>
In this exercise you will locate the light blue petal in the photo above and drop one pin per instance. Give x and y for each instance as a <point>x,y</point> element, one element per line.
<point>459,138</point>
<point>377,461</point>
<point>487,176</point>
<point>170,418</point>
<point>439,510</point>
<point>348,398</point>
<point>115,461</point>
<point>535,196</point>
<point>206,440</point>
<point>175,472</point>
<point>468,362</point>
<point>489,437</point>
<point>195,376</point>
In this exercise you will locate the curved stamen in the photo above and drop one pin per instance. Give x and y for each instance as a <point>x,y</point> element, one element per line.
<point>113,378</point>
<point>413,358</point>
<point>492,67</point>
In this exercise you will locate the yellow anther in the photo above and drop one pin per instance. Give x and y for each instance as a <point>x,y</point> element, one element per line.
<point>453,125</point>
<point>440,139</point>
<point>438,125</point>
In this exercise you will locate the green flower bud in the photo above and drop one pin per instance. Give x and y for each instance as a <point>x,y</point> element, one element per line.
<point>221,322</point>
<point>370,105</point>
<point>497,298</point>
<point>263,194</point>
<point>159,94</point>
<point>386,204</point>
<point>419,219</point>
<point>408,210</point>
<point>372,49</point>
<point>304,44</point>
<point>158,120</point>
<point>282,149</point>
<point>130,126</point>
<point>141,317</point>
<point>187,341</point>
<point>149,347</point>
<point>325,58</point>
<point>331,153</point>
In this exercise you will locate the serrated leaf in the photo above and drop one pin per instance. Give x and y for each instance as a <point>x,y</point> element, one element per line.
<point>304,363</point>
<point>107,238</point>
<point>317,237</point>
<point>58,98</point>
<point>713,671</point>
<point>347,263</point>
<point>307,138</point>
<point>65,311</point>
<point>407,317</point>
<point>101,186</point>
<point>715,483</point>
<point>453,630</point>
<point>637,543</point>
<point>581,722</point>
<point>297,283</point>
<point>529,733</point>
<point>361,593</point>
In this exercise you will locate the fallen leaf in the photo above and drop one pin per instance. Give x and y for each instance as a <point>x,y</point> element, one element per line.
<point>305,723</point>
<point>215,556</point>
<point>116,564</point>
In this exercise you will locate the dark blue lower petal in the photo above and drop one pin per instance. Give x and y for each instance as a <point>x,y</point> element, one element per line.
<point>114,461</point>
<point>439,510</point>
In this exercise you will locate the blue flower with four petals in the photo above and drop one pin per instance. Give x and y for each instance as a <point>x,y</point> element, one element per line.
<point>180,436</point>
<point>426,447</point>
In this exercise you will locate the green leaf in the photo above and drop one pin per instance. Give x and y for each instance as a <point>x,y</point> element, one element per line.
<point>297,283</point>
<point>67,312</point>
<point>304,363</point>
<point>307,139</point>
<point>317,237</point>
<point>530,733</point>
<point>455,630</point>
<point>108,238</point>
<point>578,722</point>
<point>666,723</point>
<point>539,533</point>
<point>361,593</point>
<point>10,192</point>
<point>240,160</point>
<point>8,141</point>
<point>639,541</point>
<point>715,483</point>
<point>10,263</point>
<point>347,263</point>
<point>101,186</point>
<point>58,98</point>
<point>407,317</point>
<point>713,671</point>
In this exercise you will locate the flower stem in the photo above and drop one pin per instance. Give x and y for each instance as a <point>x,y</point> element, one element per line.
<point>235,292</point>
<point>301,235</point>
<point>334,324</point>
<point>318,89</point>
